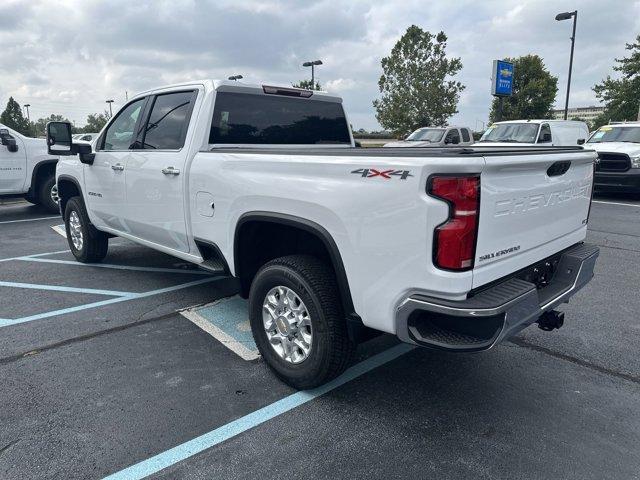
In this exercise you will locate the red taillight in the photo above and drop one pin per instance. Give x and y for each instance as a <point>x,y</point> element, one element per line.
<point>455,240</point>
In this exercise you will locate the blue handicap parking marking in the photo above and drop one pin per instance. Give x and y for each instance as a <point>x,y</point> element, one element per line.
<point>228,321</point>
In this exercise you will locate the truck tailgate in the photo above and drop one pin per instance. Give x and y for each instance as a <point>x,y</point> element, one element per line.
<point>531,206</point>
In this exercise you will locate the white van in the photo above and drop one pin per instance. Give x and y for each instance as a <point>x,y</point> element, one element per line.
<point>557,133</point>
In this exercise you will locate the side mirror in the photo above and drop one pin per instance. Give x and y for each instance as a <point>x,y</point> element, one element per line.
<point>7,140</point>
<point>84,152</point>
<point>60,143</point>
<point>59,138</point>
<point>581,141</point>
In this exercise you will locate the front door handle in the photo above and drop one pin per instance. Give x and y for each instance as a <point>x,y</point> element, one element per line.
<point>118,167</point>
<point>170,171</point>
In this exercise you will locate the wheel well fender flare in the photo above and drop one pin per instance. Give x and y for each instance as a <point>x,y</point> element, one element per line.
<point>38,168</point>
<point>310,227</point>
<point>64,179</point>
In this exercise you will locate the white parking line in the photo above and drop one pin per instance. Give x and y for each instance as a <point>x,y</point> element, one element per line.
<point>29,219</point>
<point>617,203</point>
<point>62,288</point>
<point>113,266</point>
<point>36,255</point>
<point>60,230</point>
<point>8,322</point>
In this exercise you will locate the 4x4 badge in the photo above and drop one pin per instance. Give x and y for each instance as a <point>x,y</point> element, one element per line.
<point>386,174</point>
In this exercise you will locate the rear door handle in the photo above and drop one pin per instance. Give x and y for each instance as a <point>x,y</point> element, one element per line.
<point>170,171</point>
<point>118,167</point>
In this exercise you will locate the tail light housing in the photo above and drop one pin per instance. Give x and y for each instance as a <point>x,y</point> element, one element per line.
<point>454,245</point>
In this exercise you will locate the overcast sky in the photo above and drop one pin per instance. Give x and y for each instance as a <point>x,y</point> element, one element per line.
<point>68,57</point>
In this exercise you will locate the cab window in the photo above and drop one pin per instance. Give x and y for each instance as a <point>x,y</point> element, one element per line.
<point>120,134</point>
<point>545,134</point>
<point>453,137</point>
<point>169,121</point>
<point>466,137</point>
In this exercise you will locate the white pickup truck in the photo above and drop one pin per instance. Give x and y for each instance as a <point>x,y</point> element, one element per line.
<point>454,249</point>
<point>27,169</point>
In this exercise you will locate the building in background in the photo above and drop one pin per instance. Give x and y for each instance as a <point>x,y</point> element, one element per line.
<point>586,114</point>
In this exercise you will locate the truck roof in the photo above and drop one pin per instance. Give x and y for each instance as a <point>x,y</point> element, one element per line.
<point>539,120</point>
<point>231,85</point>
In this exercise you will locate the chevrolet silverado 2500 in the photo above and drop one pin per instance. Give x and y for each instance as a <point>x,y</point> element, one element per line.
<point>453,249</point>
<point>27,169</point>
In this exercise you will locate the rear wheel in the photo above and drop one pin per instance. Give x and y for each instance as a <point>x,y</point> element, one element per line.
<point>87,244</point>
<point>48,194</point>
<point>297,321</point>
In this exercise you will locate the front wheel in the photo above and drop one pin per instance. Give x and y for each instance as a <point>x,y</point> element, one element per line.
<point>297,321</point>
<point>48,195</point>
<point>87,244</point>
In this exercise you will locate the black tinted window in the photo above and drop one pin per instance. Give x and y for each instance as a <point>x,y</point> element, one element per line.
<point>465,135</point>
<point>168,122</point>
<point>271,119</point>
<point>452,137</point>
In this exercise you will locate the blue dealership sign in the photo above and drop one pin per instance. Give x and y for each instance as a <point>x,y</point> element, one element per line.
<point>502,78</point>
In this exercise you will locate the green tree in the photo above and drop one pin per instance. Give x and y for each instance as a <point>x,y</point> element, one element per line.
<point>416,85</point>
<point>534,91</point>
<point>621,97</point>
<point>95,122</point>
<point>12,117</point>
<point>306,84</point>
<point>39,127</point>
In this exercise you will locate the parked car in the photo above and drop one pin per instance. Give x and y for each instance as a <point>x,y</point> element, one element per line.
<point>618,146</point>
<point>85,137</point>
<point>436,137</point>
<point>555,133</point>
<point>453,249</point>
<point>27,169</point>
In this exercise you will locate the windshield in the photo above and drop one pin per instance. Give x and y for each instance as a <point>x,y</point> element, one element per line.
<point>616,134</point>
<point>511,132</point>
<point>426,135</point>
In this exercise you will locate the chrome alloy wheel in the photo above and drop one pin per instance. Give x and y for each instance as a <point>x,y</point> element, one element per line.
<point>75,230</point>
<point>54,194</point>
<point>287,323</point>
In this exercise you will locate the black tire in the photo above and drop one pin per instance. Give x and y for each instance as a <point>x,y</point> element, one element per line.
<point>94,243</point>
<point>315,284</point>
<point>45,194</point>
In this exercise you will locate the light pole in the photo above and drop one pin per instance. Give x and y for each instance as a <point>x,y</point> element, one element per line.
<point>559,18</point>
<point>26,107</point>
<point>235,77</point>
<point>110,112</point>
<point>312,64</point>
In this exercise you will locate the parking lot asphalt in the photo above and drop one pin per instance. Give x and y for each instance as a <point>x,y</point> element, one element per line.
<point>99,374</point>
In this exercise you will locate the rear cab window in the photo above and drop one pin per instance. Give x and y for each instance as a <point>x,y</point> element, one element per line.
<point>466,137</point>
<point>248,118</point>
<point>545,134</point>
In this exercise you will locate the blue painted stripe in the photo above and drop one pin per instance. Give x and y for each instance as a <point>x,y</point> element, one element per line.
<point>203,442</point>
<point>62,288</point>
<point>78,308</point>
<point>113,266</point>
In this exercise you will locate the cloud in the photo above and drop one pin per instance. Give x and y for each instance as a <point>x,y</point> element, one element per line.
<point>69,57</point>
